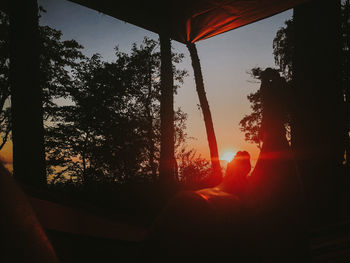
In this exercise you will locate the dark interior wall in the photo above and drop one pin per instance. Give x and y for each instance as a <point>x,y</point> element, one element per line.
<point>26,94</point>
<point>318,118</point>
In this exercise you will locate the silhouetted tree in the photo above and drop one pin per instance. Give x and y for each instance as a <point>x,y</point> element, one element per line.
<point>283,49</point>
<point>283,53</point>
<point>283,46</point>
<point>145,63</point>
<point>57,58</point>
<point>204,104</point>
<point>101,119</point>
<point>112,128</point>
<point>5,125</point>
<point>194,170</point>
<point>251,123</point>
<point>275,195</point>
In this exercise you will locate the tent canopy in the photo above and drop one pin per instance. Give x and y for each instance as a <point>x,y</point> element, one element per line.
<point>190,20</point>
<point>187,20</point>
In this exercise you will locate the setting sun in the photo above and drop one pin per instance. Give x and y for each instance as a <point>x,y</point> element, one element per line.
<point>228,156</point>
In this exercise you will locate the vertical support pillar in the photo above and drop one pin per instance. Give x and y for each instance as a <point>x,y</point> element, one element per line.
<point>167,140</point>
<point>318,117</point>
<point>26,94</point>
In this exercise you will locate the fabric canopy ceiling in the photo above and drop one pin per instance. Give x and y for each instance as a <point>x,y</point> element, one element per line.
<point>187,20</point>
<point>190,20</point>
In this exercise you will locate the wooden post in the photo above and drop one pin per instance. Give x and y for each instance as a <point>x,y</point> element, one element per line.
<point>26,94</point>
<point>214,155</point>
<point>318,117</point>
<point>167,140</point>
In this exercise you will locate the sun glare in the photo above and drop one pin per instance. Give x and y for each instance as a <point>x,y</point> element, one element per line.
<point>228,156</point>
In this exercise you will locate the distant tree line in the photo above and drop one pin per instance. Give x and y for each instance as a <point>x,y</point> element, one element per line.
<point>101,118</point>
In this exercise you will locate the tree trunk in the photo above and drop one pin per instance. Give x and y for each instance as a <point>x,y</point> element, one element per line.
<point>214,155</point>
<point>26,94</point>
<point>318,116</point>
<point>150,132</point>
<point>167,140</point>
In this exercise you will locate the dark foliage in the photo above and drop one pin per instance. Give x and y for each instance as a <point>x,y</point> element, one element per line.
<point>102,123</point>
<point>110,132</point>
<point>57,59</point>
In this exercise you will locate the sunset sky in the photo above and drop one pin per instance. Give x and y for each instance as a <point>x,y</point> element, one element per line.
<point>225,59</point>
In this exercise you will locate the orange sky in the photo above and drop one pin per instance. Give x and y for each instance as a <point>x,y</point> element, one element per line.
<point>6,155</point>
